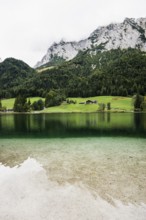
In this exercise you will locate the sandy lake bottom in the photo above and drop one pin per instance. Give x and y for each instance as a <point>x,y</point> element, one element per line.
<point>91,178</point>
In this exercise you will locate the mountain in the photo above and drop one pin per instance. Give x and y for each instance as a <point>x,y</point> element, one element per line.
<point>130,33</point>
<point>111,61</point>
<point>13,74</point>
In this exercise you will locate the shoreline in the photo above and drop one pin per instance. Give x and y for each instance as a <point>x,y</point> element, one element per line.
<point>70,112</point>
<point>73,112</point>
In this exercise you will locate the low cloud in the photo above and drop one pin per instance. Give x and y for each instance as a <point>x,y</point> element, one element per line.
<point>28,28</point>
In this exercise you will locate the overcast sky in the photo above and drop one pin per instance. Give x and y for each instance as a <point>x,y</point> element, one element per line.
<point>29,27</point>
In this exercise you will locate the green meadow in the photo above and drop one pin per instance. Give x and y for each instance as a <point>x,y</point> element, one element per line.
<point>117,104</point>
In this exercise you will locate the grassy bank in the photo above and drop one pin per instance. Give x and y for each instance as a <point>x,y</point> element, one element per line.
<point>117,104</point>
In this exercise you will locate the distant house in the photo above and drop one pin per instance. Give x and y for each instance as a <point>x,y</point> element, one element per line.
<point>91,102</point>
<point>82,103</point>
<point>94,102</point>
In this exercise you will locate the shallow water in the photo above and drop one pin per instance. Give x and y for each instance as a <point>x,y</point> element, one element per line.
<point>81,177</point>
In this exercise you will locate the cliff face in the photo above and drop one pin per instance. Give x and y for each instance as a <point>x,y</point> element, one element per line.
<point>130,33</point>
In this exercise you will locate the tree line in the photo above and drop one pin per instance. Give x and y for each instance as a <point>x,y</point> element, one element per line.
<point>22,104</point>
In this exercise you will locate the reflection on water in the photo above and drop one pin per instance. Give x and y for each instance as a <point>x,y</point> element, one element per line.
<point>73,125</point>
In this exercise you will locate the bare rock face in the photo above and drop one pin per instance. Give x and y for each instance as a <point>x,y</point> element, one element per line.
<point>130,33</point>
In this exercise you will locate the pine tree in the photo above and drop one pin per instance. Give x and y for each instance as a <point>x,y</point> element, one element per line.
<point>20,104</point>
<point>29,102</point>
<point>138,101</point>
<point>0,105</point>
<point>108,106</point>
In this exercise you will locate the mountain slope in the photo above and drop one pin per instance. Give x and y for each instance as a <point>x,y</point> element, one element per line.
<point>130,33</point>
<point>115,72</point>
<point>13,74</point>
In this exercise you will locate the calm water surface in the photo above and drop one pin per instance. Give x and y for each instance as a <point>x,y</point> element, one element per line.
<point>73,125</point>
<point>73,166</point>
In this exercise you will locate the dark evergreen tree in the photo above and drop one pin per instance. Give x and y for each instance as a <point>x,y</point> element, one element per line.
<point>0,105</point>
<point>29,102</point>
<point>34,105</point>
<point>138,100</point>
<point>54,98</point>
<point>38,105</point>
<point>20,104</point>
<point>108,106</point>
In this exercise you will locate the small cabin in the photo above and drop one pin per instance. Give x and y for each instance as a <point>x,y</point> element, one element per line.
<point>82,103</point>
<point>91,102</point>
<point>94,102</point>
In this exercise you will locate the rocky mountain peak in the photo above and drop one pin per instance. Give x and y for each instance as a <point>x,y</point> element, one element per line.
<point>130,33</point>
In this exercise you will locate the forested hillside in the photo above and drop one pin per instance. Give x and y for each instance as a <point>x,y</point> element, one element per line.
<point>13,75</point>
<point>90,73</point>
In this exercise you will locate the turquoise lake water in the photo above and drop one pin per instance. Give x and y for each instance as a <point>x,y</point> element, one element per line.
<point>73,166</point>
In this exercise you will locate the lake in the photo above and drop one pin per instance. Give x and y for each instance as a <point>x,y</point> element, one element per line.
<point>73,166</point>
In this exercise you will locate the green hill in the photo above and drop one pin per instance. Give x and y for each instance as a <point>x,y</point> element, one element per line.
<point>14,74</point>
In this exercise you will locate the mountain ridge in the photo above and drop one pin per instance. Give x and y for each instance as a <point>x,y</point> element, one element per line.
<point>130,33</point>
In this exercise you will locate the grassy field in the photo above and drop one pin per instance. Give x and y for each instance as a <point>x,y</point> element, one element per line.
<point>117,104</point>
